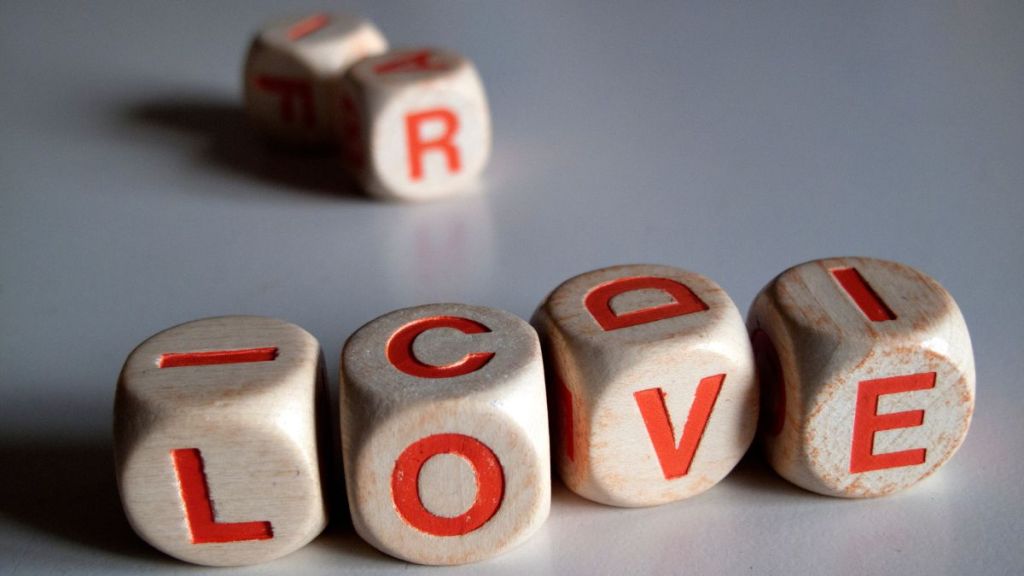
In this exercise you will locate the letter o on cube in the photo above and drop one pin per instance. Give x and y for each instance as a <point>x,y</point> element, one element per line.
<point>444,433</point>
<point>867,375</point>
<point>654,382</point>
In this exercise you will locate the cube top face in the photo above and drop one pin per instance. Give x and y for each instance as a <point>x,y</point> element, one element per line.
<point>440,352</point>
<point>216,441</point>
<point>641,305</point>
<point>216,362</point>
<point>654,382</point>
<point>293,70</point>
<point>425,129</point>
<point>871,376</point>
<point>410,68</point>
<point>323,43</point>
<point>856,300</point>
<point>444,432</point>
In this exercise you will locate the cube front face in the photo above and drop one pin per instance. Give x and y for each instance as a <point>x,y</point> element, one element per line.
<point>653,378</point>
<point>293,70</point>
<point>417,124</point>
<point>216,443</point>
<point>444,433</point>
<point>870,372</point>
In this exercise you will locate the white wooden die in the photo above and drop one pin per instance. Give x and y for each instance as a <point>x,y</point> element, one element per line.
<point>415,124</point>
<point>444,433</point>
<point>867,375</point>
<point>654,382</point>
<point>215,440</point>
<point>293,70</point>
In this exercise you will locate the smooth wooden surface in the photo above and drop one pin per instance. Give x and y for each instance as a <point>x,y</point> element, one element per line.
<point>251,418</point>
<point>500,404</point>
<point>293,70</point>
<point>830,341</point>
<point>604,449</point>
<point>420,125</point>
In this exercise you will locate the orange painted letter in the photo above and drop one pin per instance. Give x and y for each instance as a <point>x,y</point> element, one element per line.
<point>401,356</point>
<point>773,384</point>
<point>307,26</point>
<point>444,143</point>
<point>405,480</point>
<point>863,295</point>
<point>290,90</point>
<point>867,421</point>
<point>598,302</point>
<point>565,418</point>
<point>675,460</point>
<point>188,465</point>
<point>415,62</point>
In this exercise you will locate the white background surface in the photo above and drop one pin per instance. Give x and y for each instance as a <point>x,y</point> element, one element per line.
<point>733,139</point>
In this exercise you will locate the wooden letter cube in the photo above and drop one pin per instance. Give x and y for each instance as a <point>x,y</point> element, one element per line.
<point>293,70</point>
<point>415,124</point>
<point>654,381</point>
<point>215,439</point>
<point>444,433</point>
<point>867,375</point>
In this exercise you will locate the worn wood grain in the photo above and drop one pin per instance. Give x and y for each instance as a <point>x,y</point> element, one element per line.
<point>868,375</point>
<point>216,440</point>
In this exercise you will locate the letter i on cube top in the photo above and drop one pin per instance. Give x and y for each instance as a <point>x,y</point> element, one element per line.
<point>293,70</point>
<point>867,375</point>
<point>215,440</point>
<point>653,377</point>
<point>415,124</point>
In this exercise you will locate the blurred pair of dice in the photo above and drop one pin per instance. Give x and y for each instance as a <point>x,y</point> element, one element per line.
<point>866,387</point>
<point>412,124</point>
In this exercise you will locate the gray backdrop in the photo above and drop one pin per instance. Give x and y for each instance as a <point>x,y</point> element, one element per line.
<point>733,139</point>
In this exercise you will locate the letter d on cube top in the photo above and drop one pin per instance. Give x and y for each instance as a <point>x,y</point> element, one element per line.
<point>653,381</point>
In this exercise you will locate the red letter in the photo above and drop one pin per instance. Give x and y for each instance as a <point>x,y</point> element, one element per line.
<point>243,356</point>
<point>772,381</point>
<point>443,144</point>
<point>675,461</point>
<point>863,295</point>
<point>352,133</point>
<point>400,354</point>
<point>867,421</point>
<point>415,62</point>
<point>565,418</point>
<point>290,90</point>
<point>405,480</point>
<point>188,464</point>
<point>598,302</point>
<point>307,26</point>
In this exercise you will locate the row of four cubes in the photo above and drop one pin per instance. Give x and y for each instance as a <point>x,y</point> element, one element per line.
<point>652,379</point>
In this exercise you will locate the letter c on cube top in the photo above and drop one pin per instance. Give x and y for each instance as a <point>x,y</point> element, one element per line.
<point>444,433</point>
